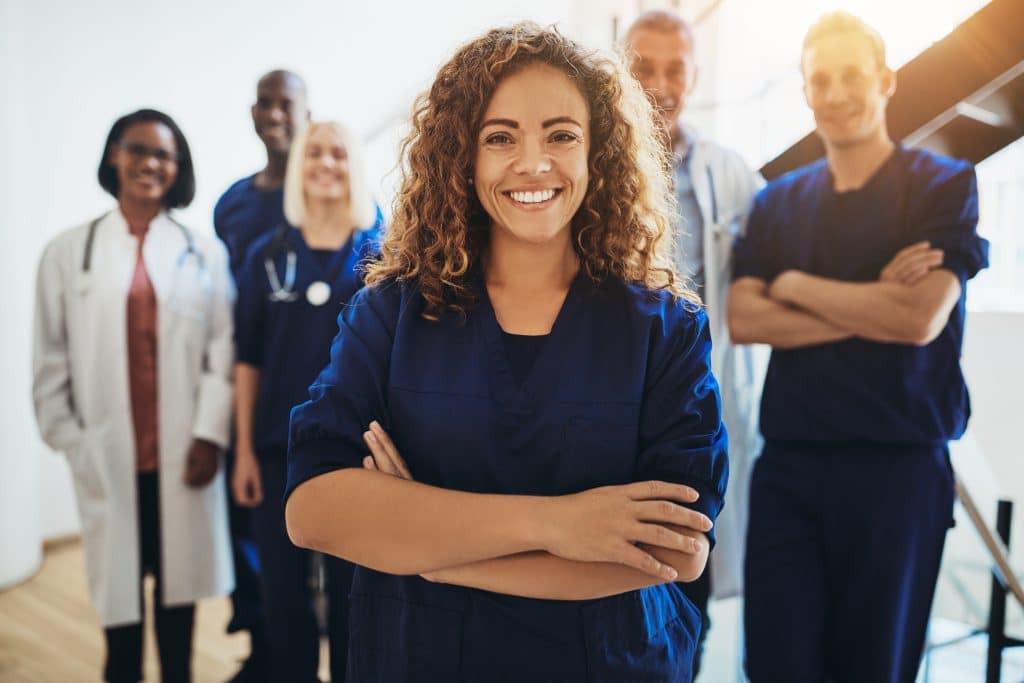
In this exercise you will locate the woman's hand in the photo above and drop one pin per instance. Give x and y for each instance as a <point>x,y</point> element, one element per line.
<point>606,525</point>
<point>384,457</point>
<point>201,463</point>
<point>246,482</point>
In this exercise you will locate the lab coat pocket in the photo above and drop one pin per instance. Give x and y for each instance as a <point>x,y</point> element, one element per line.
<point>85,461</point>
<point>394,640</point>
<point>644,635</point>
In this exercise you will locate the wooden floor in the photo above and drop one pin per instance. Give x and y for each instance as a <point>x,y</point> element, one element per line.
<point>49,631</point>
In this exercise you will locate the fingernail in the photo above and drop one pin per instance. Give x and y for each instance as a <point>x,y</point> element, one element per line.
<point>375,425</point>
<point>370,436</point>
<point>670,573</point>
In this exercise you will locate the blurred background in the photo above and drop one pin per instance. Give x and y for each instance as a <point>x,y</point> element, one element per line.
<point>68,69</point>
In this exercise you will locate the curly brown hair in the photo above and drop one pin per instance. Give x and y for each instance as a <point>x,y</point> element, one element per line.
<point>440,230</point>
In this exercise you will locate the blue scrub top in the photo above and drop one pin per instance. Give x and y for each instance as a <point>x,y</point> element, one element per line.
<point>242,214</point>
<point>289,341</point>
<point>860,390</point>
<point>620,391</point>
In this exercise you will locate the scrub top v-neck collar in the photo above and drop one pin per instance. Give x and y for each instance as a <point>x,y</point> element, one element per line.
<point>539,383</point>
<point>328,269</point>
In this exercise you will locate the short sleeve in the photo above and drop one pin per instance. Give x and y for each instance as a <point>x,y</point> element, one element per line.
<point>949,221</point>
<point>251,310</point>
<point>753,250</point>
<point>326,432</point>
<point>682,437</point>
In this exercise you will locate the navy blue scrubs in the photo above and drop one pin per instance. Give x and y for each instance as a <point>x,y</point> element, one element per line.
<point>852,498</point>
<point>620,391</point>
<point>243,213</point>
<point>289,341</point>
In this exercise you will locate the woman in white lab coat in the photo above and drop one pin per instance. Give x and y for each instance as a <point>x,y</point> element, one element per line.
<point>132,381</point>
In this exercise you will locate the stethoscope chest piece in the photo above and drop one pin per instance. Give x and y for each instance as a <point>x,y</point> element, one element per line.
<point>318,293</point>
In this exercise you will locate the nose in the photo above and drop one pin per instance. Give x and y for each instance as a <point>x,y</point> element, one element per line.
<point>534,158</point>
<point>277,114</point>
<point>150,161</point>
<point>834,93</point>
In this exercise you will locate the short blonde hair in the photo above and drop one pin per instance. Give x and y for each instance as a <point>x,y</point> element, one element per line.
<point>362,208</point>
<point>840,22</point>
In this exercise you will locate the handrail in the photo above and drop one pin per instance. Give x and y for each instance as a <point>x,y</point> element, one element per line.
<point>997,550</point>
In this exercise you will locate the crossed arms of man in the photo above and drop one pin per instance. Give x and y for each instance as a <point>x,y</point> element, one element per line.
<point>910,303</point>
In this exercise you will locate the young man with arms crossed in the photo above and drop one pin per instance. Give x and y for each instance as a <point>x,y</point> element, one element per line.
<point>853,269</point>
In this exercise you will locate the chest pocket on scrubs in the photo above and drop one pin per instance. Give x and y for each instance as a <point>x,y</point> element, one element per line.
<point>601,446</point>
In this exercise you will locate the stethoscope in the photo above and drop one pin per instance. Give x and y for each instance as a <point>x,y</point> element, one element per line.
<point>318,292</point>
<point>190,252</point>
<point>190,245</point>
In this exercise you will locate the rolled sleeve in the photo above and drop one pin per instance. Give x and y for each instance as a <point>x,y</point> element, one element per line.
<point>683,438</point>
<point>325,432</point>
<point>950,222</point>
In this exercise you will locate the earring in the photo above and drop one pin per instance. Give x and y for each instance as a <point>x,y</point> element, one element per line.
<point>469,180</point>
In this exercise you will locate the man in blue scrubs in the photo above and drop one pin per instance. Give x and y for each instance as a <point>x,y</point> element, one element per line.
<point>253,206</point>
<point>250,208</point>
<point>714,190</point>
<point>854,270</point>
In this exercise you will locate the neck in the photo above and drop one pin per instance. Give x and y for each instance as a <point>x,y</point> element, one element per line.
<point>135,211</point>
<point>272,175</point>
<point>852,166</point>
<point>512,264</point>
<point>328,225</point>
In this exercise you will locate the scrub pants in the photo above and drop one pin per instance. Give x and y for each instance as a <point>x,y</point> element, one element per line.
<point>843,553</point>
<point>292,629</point>
<point>246,611</point>
<point>173,624</point>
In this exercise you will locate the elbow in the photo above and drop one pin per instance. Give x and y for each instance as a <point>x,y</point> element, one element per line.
<point>739,333</point>
<point>922,330</point>
<point>301,532</point>
<point>690,571</point>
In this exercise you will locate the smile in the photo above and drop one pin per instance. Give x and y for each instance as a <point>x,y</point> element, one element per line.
<point>535,197</point>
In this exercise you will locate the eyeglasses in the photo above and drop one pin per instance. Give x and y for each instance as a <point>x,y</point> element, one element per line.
<point>140,151</point>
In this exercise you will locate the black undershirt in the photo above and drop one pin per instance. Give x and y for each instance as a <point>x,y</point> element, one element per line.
<point>522,350</point>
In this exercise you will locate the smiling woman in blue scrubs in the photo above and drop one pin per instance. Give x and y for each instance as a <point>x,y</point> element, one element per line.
<point>290,288</point>
<point>525,346</point>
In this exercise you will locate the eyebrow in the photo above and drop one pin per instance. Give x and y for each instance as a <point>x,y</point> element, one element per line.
<point>515,124</point>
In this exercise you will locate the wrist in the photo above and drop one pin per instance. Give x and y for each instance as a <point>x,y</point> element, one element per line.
<point>539,522</point>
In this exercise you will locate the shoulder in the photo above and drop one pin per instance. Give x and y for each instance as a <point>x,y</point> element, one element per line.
<point>387,301</point>
<point>661,313</point>
<point>68,244</point>
<point>793,182</point>
<point>934,169</point>
<point>728,158</point>
<point>258,247</point>
<point>236,190</point>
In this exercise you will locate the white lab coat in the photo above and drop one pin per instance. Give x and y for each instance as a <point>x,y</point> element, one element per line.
<point>724,188</point>
<point>82,402</point>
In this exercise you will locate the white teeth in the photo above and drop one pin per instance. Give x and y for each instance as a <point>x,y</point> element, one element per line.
<point>532,197</point>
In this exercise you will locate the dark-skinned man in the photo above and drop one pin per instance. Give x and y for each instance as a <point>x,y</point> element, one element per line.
<point>250,208</point>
